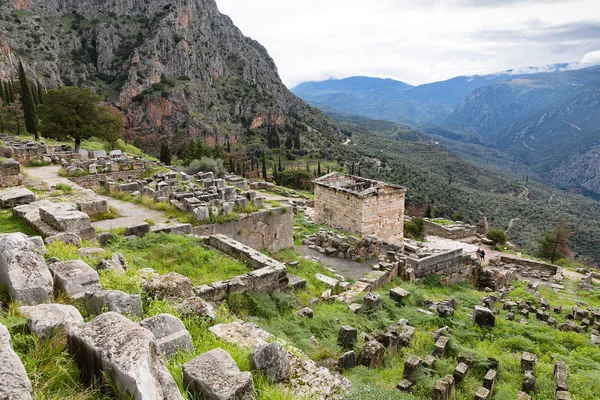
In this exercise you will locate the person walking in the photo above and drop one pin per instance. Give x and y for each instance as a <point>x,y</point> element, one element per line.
<point>482,256</point>
<point>478,252</point>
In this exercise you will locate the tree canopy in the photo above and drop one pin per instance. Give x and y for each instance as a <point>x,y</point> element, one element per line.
<point>77,113</point>
<point>555,244</point>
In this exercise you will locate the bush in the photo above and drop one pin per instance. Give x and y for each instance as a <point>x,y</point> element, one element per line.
<point>415,228</point>
<point>497,236</point>
<point>206,164</point>
<point>295,178</point>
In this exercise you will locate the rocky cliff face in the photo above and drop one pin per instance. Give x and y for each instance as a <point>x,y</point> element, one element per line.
<point>172,67</point>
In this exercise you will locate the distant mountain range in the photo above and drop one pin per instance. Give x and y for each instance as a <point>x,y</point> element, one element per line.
<point>549,121</point>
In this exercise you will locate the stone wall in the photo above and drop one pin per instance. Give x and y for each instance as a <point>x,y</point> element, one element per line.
<point>493,278</point>
<point>453,266</point>
<point>268,275</point>
<point>457,231</point>
<point>10,173</point>
<point>381,215</point>
<point>95,181</point>
<point>270,230</point>
<point>540,266</point>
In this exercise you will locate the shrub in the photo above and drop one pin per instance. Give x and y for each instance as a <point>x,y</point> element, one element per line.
<point>497,236</point>
<point>206,164</point>
<point>295,179</point>
<point>415,228</point>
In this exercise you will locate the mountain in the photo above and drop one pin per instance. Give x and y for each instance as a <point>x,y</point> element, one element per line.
<point>546,121</point>
<point>176,69</point>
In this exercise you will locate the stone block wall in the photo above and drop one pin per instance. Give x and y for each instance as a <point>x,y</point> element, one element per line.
<point>270,230</point>
<point>10,173</point>
<point>96,181</point>
<point>453,266</point>
<point>540,266</point>
<point>449,232</point>
<point>383,216</point>
<point>493,278</point>
<point>268,275</point>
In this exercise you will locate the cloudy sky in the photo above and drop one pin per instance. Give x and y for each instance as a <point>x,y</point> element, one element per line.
<point>418,41</point>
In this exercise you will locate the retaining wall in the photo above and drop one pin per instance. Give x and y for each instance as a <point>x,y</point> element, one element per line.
<point>454,232</point>
<point>271,229</point>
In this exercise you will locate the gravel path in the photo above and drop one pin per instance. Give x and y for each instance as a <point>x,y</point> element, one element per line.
<point>130,213</point>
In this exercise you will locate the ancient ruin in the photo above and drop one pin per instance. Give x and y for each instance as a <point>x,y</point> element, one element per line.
<point>360,206</point>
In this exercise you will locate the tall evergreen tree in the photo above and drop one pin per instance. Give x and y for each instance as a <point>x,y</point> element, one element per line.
<point>297,140</point>
<point>555,244</point>
<point>319,169</point>
<point>2,93</point>
<point>34,93</point>
<point>359,174</point>
<point>29,108</point>
<point>165,153</point>
<point>288,142</point>
<point>40,92</point>
<point>264,166</point>
<point>280,167</point>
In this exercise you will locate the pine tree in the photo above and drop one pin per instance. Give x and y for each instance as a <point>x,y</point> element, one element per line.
<point>264,166</point>
<point>555,244</point>
<point>29,109</point>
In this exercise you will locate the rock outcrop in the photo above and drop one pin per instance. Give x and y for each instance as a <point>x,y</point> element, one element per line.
<point>171,67</point>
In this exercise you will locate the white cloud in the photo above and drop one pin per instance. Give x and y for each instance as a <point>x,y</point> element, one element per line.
<point>416,42</point>
<point>590,59</point>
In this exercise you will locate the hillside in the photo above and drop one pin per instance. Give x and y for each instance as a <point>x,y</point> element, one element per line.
<point>546,121</point>
<point>176,70</point>
<point>434,176</point>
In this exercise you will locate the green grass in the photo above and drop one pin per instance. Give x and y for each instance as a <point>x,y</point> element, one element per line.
<point>185,255</point>
<point>11,224</point>
<point>112,213</point>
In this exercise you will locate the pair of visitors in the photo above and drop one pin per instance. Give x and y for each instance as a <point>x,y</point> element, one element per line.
<point>481,255</point>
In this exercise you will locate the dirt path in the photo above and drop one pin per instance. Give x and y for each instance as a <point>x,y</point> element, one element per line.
<point>130,213</point>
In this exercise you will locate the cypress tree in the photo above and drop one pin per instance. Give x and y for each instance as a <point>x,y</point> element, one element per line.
<point>2,93</point>
<point>40,92</point>
<point>359,169</point>
<point>288,142</point>
<point>319,169</point>
<point>264,167</point>
<point>165,154</point>
<point>280,168</point>
<point>231,165</point>
<point>297,141</point>
<point>34,93</point>
<point>29,109</point>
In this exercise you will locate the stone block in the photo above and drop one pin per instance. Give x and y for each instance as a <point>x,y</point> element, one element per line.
<point>170,333</point>
<point>483,316</point>
<point>75,278</point>
<point>328,281</point>
<point>305,312</point>
<point>14,383</point>
<point>347,360</point>
<point>560,377</point>
<point>113,300</point>
<point>528,382</point>
<point>171,285</point>
<point>440,347</point>
<point>371,301</point>
<point>528,361</point>
<point>112,346</point>
<point>460,371</point>
<point>405,385</point>
<point>412,368</point>
<point>138,230</point>
<point>399,295</point>
<point>482,394</point>
<point>66,238</point>
<point>347,337</point>
<point>16,196</point>
<point>23,270</point>
<point>429,362</point>
<point>44,319</point>
<point>273,359</point>
<point>215,375</point>
<point>562,395</point>
<point>489,381</point>
<point>371,355</point>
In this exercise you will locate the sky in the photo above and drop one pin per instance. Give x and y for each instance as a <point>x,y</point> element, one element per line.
<point>418,41</point>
